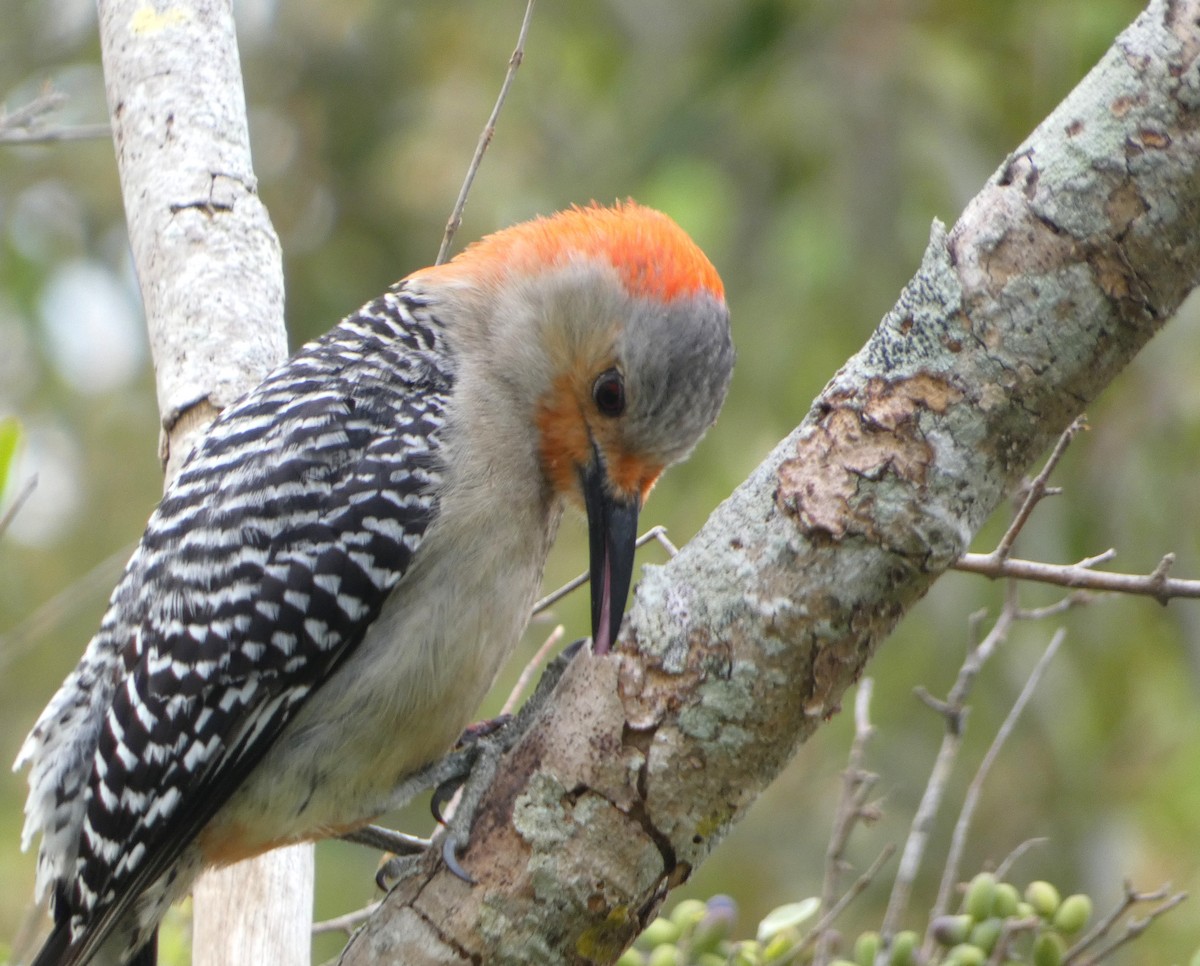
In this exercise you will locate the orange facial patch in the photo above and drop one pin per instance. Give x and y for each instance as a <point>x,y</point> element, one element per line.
<point>634,475</point>
<point>653,256</point>
<point>564,440</point>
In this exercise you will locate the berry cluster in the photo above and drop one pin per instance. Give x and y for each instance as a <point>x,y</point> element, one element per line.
<point>1033,927</point>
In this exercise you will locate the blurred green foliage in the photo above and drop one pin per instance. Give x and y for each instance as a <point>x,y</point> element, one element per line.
<point>10,437</point>
<point>806,144</point>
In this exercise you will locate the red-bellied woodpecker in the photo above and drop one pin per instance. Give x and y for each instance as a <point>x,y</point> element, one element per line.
<point>328,589</point>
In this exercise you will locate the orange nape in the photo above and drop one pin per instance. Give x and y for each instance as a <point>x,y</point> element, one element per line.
<point>652,255</point>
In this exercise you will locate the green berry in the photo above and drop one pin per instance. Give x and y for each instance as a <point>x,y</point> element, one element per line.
<point>746,953</point>
<point>842,962</point>
<point>660,932</point>
<point>780,946</point>
<point>951,930</point>
<point>1024,910</point>
<point>665,956</point>
<point>1043,897</point>
<point>981,895</point>
<point>986,933</point>
<point>631,957</point>
<point>1007,900</point>
<point>965,954</point>
<point>1073,914</point>
<point>904,949</point>
<point>687,914</point>
<point>866,947</point>
<point>711,959</point>
<point>1048,949</point>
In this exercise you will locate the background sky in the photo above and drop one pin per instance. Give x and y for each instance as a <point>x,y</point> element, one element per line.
<point>806,145</point>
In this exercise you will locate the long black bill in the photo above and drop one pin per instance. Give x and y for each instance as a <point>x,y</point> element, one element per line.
<point>612,533</point>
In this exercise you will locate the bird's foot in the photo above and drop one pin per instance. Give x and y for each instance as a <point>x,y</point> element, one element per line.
<point>467,772</point>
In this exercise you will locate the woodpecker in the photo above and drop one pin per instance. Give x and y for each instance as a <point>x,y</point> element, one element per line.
<point>328,589</point>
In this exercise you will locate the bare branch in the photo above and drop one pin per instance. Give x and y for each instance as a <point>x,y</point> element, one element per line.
<point>14,508</point>
<point>1037,489</point>
<point>1133,927</point>
<point>1155,584</point>
<point>347,923</point>
<point>1014,856</point>
<point>63,605</point>
<point>489,131</point>
<point>822,929</point>
<point>552,641</point>
<point>657,533</point>
<point>975,789</point>
<point>1011,929</point>
<point>856,785</point>
<point>953,710</point>
<point>25,124</point>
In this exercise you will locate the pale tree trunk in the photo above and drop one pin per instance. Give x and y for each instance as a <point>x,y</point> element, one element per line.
<point>1073,255</point>
<point>209,265</point>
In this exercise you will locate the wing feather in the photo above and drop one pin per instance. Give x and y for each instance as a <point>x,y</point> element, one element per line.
<point>260,571</point>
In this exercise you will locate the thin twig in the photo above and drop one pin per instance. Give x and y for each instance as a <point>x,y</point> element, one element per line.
<point>971,800</point>
<point>658,533</point>
<point>1133,928</point>
<point>77,132</point>
<point>23,494</point>
<point>346,923</point>
<point>30,113</point>
<point>1077,598</point>
<point>485,138</point>
<point>954,711</point>
<point>822,928</point>
<point>1037,489</point>
<point>1011,928</point>
<point>527,672</point>
<point>62,606</point>
<point>1155,584</point>
<point>856,785</point>
<point>1014,856</point>
<point>21,126</point>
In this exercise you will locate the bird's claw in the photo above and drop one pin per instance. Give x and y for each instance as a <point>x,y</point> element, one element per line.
<point>450,849</point>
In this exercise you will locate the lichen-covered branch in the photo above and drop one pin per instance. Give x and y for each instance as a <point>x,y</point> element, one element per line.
<point>1072,256</point>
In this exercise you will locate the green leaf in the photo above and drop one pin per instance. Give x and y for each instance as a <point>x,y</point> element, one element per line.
<point>787,917</point>
<point>10,438</point>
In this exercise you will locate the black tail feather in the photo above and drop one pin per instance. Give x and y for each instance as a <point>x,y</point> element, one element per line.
<point>54,949</point>
<point>58,951</point>
<point>148,954</point>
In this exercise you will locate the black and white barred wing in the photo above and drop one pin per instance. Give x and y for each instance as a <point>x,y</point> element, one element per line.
<point>261,569</point>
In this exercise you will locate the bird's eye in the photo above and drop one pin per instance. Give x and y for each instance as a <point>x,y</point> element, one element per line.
<point>609,393</point>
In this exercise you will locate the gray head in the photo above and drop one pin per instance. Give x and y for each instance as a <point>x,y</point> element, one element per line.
<point>609,326</point>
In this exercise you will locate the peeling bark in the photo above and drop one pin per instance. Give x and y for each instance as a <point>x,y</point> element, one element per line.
<point>1071,257</point>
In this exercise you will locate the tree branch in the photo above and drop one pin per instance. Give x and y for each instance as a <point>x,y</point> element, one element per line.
<point>1081,576</point>
<point>1069,260</point>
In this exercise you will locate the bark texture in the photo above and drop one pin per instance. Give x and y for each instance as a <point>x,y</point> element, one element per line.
<point>207,256</point>
<point>1073,255</point>
<point>211,274</point>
